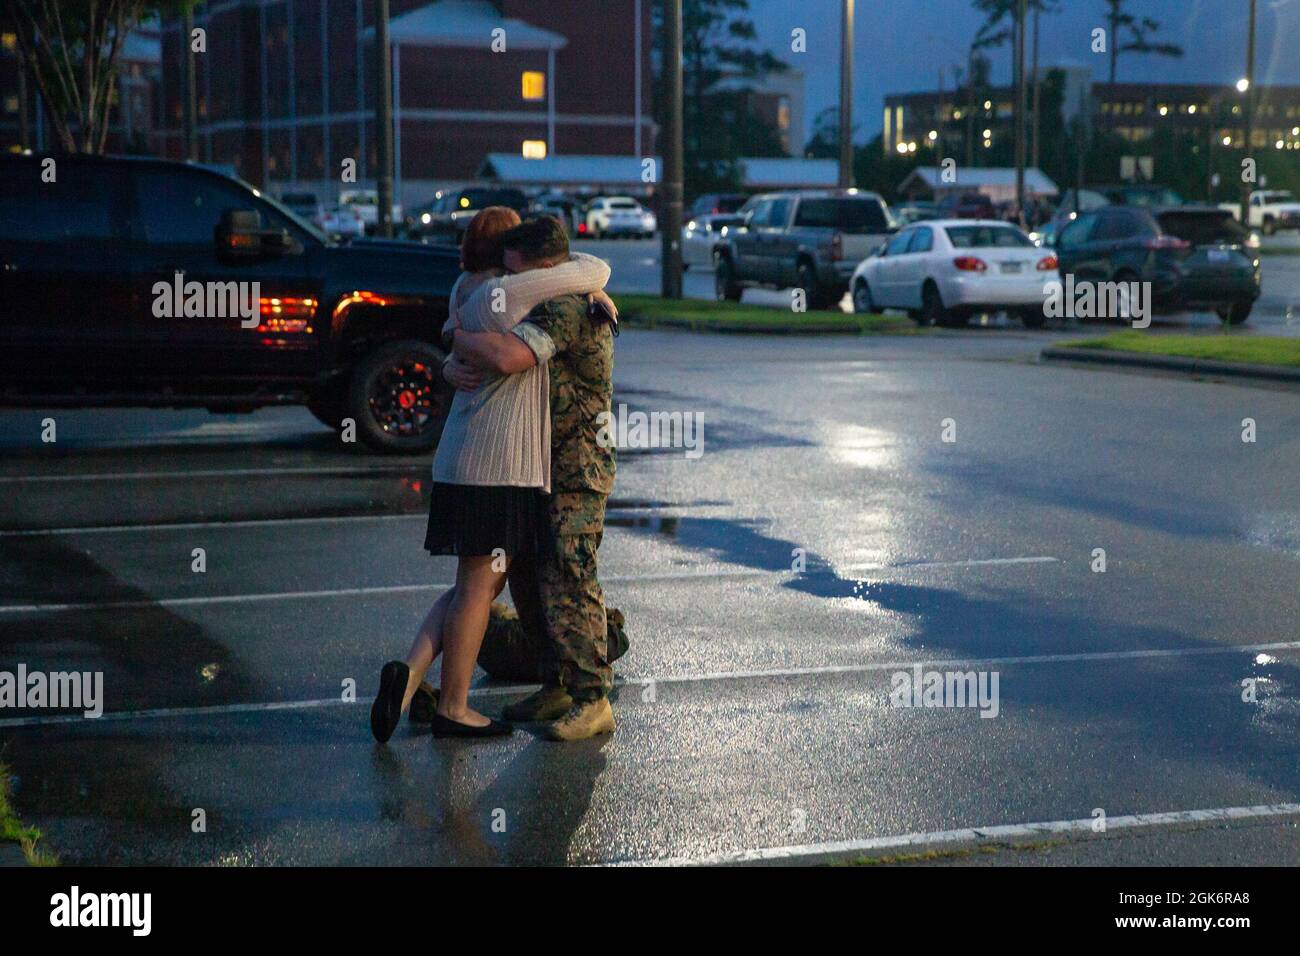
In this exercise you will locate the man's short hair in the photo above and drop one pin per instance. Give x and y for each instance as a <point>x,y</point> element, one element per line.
<point>542,239</point>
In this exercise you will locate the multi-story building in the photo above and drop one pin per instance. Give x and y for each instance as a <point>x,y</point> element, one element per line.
<point>1132,111</point>
<point>286,87</point>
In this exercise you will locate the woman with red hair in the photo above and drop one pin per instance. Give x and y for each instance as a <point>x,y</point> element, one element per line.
<point>491,476</point>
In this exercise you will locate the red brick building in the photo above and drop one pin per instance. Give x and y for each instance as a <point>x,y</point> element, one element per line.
<point>286,87</point>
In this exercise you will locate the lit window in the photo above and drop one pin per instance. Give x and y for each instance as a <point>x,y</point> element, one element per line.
<point>534,85</point>
<point>534,149</point>
<point>10,41</point>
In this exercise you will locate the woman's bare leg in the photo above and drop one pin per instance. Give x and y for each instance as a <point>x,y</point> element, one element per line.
<point>462,635</point>
<point>427,645</point>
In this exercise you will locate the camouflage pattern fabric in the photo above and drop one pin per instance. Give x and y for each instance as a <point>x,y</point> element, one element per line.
<point>577,654</point>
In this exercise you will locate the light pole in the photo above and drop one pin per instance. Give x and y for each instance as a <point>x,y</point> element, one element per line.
<point>1022,21</point>
<point>383,120</point>
<point>1250,113</point>
<point>846,97</point>
<point>670,221</point>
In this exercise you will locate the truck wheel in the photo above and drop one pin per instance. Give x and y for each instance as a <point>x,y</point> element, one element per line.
<point>1235,314</point>
<point>398,399</point>
<point>1270,226</point>
<point>725,286</point>
<point>816,297</point>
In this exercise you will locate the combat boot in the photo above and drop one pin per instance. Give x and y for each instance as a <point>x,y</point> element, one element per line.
<point>584,719</point>
<point>545,704</point>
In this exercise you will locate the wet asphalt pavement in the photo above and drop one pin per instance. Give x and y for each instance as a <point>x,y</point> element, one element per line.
<point>754,705</point>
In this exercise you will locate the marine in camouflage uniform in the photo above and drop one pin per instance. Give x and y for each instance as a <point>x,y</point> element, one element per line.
<point>581,357</point>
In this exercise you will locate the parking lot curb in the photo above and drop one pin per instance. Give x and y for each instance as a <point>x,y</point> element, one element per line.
<point>644,322</point>
<point>1172,363</point>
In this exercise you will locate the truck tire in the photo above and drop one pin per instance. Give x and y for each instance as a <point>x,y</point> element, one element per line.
<point>398,399</point>
<point>1270,226</point>
<point>815,296</point>
<point>725,286</point>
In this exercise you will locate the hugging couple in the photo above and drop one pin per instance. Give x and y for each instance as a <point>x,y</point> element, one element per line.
<point>519,483</point>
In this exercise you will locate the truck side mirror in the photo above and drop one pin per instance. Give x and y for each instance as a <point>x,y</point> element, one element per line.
<point>240,235</point>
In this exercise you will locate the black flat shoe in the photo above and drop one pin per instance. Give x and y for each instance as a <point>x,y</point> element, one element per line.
<point>386,712</point>
<point>446,727</point>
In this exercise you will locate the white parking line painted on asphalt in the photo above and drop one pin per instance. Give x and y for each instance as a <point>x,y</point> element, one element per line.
<point>508,689</point>
<point>972,834</point>
<point>408,588</point>
<point>200,525</point>
<point>358,470</point>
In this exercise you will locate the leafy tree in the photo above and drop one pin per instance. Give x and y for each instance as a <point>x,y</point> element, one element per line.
<point>70,48</point>
<point>1137,31</point>
<point>825,140</point>
<point>717,40</point>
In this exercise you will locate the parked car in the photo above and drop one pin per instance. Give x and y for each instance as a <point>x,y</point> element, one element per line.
<point>305,204</point>
<point>713,204</point>
<point>944,271</point>
<point>619,216</point>
<point>144,282</point>
<point>809,239</point>
<point>366,203</point>
<point>968,205</point>
<point>700,238</point>
<point>446,218</point>
<point>1269,210</point>
<point>917,211</point>
<point>342,221</point>
<point>562,207</point>
<point>1195,257</point>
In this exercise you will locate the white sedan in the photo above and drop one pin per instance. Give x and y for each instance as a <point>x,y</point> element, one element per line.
<point>618,216</point>
<point>700,237</point>
<point>944,271</point>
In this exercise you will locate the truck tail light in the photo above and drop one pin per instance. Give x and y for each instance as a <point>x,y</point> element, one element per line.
<point>287,314</point>
<point>970,264</point>
<point>1048,264</point>
<point>837,247</point>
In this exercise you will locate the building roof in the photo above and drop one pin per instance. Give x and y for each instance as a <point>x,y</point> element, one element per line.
<point>565,170</point>
<point>466,23</point>
<point>1036,181</point>
<point>784,173</point>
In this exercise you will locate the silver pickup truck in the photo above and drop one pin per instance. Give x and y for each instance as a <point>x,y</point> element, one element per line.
<point>809,239</point>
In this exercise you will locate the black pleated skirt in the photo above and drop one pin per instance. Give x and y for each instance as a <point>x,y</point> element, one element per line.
<point>469,520</point>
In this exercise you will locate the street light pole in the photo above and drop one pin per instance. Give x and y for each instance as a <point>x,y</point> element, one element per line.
<point>670,219</point>
<point>384,120</point>
<point>846,97</point>
<point>1022,21</point>
<point>1250,113</point>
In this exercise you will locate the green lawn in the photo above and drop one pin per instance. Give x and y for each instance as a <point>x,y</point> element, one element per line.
<point>13,831</point>
<point>647,311</point>
<point>1247,349</point>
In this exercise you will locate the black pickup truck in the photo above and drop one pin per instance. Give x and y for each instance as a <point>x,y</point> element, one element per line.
<point>146,282</point>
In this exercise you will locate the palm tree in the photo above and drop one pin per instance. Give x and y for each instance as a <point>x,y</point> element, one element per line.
<point>1138,30</point>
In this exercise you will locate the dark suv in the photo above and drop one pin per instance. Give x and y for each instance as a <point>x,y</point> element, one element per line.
<point>148,282</point>
<point>1194,256</point>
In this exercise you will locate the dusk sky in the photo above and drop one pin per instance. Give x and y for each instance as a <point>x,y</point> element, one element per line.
<point>901,44</point>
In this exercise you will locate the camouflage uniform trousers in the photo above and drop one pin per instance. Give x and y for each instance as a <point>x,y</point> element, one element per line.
<point>576,655</point>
